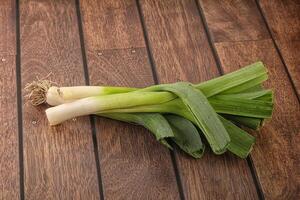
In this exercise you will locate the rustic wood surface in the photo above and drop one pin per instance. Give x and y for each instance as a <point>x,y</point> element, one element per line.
<point>139,43</point>
<point>283,18</point>
<point>9,140</point>
<point>183,35</point>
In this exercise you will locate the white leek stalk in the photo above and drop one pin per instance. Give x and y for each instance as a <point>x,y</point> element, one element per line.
<point>59,95</point>
<point>43,91</point>
<point>91,105</point>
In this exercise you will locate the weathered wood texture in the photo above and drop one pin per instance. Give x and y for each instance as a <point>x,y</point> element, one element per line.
<point>8,27</point>
<point>133,164</point>
<point>9,146</point>
<point>276,153</point>
<point>181,52</point>
<point>283,18</point>
<point>234,21</point>
<point>59,161</point>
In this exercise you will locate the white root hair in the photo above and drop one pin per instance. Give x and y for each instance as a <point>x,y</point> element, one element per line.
<point>37,90</point>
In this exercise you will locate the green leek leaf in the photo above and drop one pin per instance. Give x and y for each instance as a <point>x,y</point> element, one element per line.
<point>241,142</point>
<point>205,116</point>
<point>244,87</point>
<point>186,135</point>
<point>242,107</point>
<point>241,79</point>
<point>250,122</point>
<point>247,95</point>
<point>255,88</point>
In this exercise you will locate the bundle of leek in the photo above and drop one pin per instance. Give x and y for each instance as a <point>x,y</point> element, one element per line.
<point>173,112</point>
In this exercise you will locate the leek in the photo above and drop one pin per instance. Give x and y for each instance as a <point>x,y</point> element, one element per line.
<point>242,80</point>
<point>171,111</point>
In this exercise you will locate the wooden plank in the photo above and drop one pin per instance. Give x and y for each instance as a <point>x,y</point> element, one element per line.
<point>9,144</point>
<point>115,25</point>
<point>133,164</point>
<point>8,29</point>
<point>276,153</point>
<point>59,161</point>
<point>181,52</point>
<point>283,18</point>
<point>234,20</point>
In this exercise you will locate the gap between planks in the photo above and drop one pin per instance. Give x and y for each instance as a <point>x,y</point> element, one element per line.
<point>19,101</point>
<point>277,48</point>
<point>87,82</point>
<point>156,81</point>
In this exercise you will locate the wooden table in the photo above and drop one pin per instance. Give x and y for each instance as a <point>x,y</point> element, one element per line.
<point>138,43</point>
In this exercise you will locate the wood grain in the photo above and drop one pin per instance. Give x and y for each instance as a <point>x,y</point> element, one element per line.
<point>181,52</point>
<point>133,164</point>
<point>59,161</point>
<point>9,144</point>
<point>115,25</point>
<point>8,27</point>
<point>234,20</point>
<point>283,18</point>
<point>276,153</point>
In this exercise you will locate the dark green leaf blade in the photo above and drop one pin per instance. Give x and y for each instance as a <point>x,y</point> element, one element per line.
<point>186,136</point>
<point>206,118</point>
<point>250,122</point>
